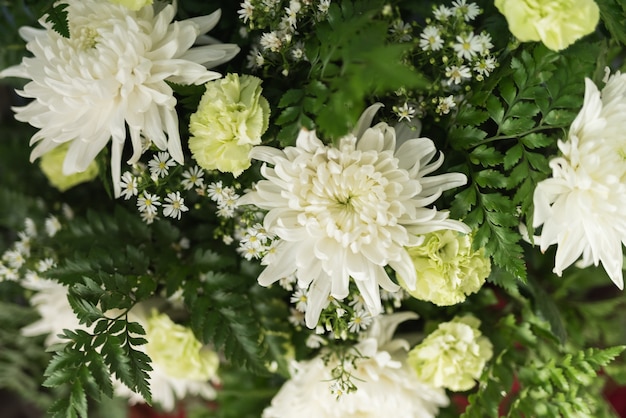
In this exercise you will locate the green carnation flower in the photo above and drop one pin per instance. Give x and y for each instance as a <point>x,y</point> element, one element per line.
<point>231,117</point>
<point>453,356</point>
<point>447,268</point>
<point>556,23</point>
<point>51,164</point>
<point>132,4</point>
<point>177,351</point>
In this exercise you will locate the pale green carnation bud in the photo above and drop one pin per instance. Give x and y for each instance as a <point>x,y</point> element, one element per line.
<point>556,23</point>
<point>231,117</point>
<point>132,4</point>
<point>176,351</point>
<point>447,268</point>
<point>51,164</point>
<point>453,356</point>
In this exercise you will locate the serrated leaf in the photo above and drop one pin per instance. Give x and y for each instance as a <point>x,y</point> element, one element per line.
<point>57,16</point>
<point>291,97</point>
<point>516,126</point>
<point>486,156</point>
<point>491,178</point>
<point>512,156</point>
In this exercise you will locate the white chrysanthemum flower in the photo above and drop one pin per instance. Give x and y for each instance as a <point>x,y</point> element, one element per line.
<point>386,385</point>
<point>111,75</point>
<point>349,211</point>
<point>582,207</point>
<point>50,301</point>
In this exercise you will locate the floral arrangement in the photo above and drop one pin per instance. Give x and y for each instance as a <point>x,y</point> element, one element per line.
<point>315,208</point>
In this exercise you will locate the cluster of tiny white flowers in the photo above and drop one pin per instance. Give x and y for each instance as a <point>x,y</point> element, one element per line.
<point>255,243</point>
<point>226,198</point>
<point>458,55</point>
<point>281,42</point>
<point>20,262</point>
<point>145,184</point>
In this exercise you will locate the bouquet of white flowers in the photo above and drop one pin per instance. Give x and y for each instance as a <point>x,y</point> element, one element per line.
<point>313,208</point>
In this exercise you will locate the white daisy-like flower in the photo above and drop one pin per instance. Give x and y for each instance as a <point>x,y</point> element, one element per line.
<point>360,321</point>
<point>485,65</point>
<point>30,228</point>
<point>582,207</point>
<point>246,11</point>
<point>52,225</point>
<point>467,11</point>
<point>442,13</point>
<point>147,203</point>
<point>109,76</point>
<point>349,211</point>
<point>484,40</point>
<point>457,74</point>
<point>45,265</point>
<point>271,41</point>
<point>404,112</point>
<point>194,177</point>
<point>386,386</point>
<point>174,205</point>
<point>467,46</point>
<point>300,299</point>
<point>160,164</point>
<point>15,259</point>
<point>128,185</point>
<point>323,6</point>
<point>445,104</point>
<point>148,217</point>
<point>430,39</point>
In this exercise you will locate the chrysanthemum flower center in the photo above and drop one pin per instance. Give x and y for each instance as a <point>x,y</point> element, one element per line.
<point>84,38</point>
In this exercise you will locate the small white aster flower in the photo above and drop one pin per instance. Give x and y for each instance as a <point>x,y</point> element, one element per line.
<point>30,228</point>
<point>287,282</point>
<point>323,6</point>
<point>14,259</point>
<point>467,46</point>
<point>52,225</point>
<point>314,341</point>
<point>255,58</point>
<point>295,318</point>
<point>249,252</point>
<point>148,203</point>
<point>344,213</point>
<point>467,11</point>
<point>484,40</point>
<point>300,299</point>
<point>45,265</point>
<point>445,104</point>
<point>442,13</point>
<point>291,14</point>
<point>110,77</point>
<point>194,177</point>
<point>148,217</point>
<point>228,239</point>
<point>174,205</point>
<point>430,39</point>
<point>401,30</point>
<point>456,75</point>
<point>160,164</point>
<point>225,211</point>
<point>271,41</point>
<point>246,11</point>
<point>360,321</point>
<point>404,112</point>
<point>485,65</point>
<point>215,191</point>
<point>128,185</point>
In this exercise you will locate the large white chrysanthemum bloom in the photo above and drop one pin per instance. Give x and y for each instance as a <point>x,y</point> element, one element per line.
<point>349,211</point>
<point>387,386</point>
<point>110,76</point>
<point>582,207</point>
